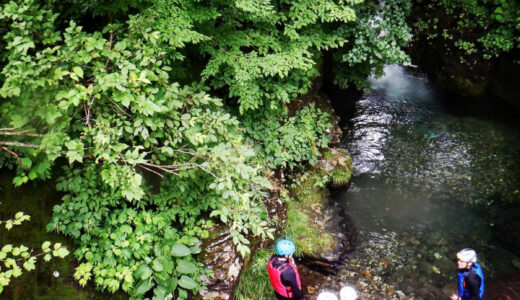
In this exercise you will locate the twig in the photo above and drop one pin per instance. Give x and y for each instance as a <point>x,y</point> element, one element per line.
<point>21,133</point>
<point>86,108</point>
<point>150,170</point>
<point>120,109</point>
<point>18,144</point>
<point>16,156</point>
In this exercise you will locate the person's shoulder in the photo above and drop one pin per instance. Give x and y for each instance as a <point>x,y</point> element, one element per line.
<point>289,272</point>
<point>473,276</point>
<point>275,261</point>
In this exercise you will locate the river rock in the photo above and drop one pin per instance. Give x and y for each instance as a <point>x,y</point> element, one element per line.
<point>426,267</point>
<point>401,295</point>
<point>445,265</point>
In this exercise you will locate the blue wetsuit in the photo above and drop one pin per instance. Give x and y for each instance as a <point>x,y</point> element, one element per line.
<point>471,283</point>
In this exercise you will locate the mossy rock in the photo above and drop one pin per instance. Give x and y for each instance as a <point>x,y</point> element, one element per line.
<point>305,215</point>
<point>336,164</point>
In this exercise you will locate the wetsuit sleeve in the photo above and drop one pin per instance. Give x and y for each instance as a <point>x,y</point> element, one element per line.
<point>473,285</point>
<point>289,279</point>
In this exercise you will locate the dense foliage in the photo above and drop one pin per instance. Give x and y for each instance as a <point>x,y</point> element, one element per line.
<point>473,28</point>
<point>121,98</point>
<point>377,38</point>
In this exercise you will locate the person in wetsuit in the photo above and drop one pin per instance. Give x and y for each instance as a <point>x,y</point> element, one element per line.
<point>283,273</point>
<point>470,279</point>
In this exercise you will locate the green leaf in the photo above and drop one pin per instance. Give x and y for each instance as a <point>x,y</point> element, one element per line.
<point>28,266</point>
<point>89,256</point>
<point>78,71</point>
<point>159,293</point>
<point>185,267</point>
<point>143,287</point>
<point>157,265</point>
<point>145,272</point>
<point>46,245</point>
<point>61,252</point>
<point>180,250</point>
<point>187,283</point>
<point>26,162</point>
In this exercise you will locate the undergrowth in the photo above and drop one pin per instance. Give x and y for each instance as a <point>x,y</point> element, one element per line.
<point>254,281</point>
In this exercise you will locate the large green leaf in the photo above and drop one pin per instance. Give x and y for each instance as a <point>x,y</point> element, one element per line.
<point>180,250</point>
<point>187,283</point>
<point>144,272</point>
<point>185,267</point>
<point>143,287</point>
<point>157,265</point>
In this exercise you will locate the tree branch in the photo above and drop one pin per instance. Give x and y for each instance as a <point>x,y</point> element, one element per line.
<point>18,144</point>
<point>16,156</point>
<point>150,170</point>
<point>21,133</point>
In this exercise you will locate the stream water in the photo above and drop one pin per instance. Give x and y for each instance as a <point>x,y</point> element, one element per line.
<point>430,178</point>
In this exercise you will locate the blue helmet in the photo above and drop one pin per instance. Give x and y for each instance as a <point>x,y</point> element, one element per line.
<point>285,247</point>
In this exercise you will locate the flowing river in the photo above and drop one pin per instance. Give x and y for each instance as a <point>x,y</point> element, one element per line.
<point>430,178</point>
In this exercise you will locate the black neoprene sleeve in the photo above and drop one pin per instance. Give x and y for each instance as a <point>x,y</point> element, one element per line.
<point>289,279</point>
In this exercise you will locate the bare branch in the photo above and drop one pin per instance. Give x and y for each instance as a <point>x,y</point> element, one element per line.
<point>21,133</point>
<point>18,144</point>
<point>86,108</point>
<point>172,169</point>
<point>16,156</point>
<point>119,108</point>
<point>150,170</point>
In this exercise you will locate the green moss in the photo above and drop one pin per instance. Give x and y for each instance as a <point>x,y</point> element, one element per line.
<point>305,221</point>
<point>309,237</point>
<point>254,281</point>
<point>305,224</point>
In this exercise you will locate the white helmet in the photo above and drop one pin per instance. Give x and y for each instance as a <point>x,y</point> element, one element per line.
<point>347,293</point>
<point>467,255</point>
<point>327,296</point>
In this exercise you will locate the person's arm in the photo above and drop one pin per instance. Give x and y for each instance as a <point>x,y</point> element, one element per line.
<point>289,279</point>
<point>473,285</point>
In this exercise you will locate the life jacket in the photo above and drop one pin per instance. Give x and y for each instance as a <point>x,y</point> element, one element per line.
<point>275,276</point>
<point>461,281</point>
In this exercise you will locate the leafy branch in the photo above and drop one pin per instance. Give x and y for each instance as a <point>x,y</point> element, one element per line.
<point>11,255</point>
